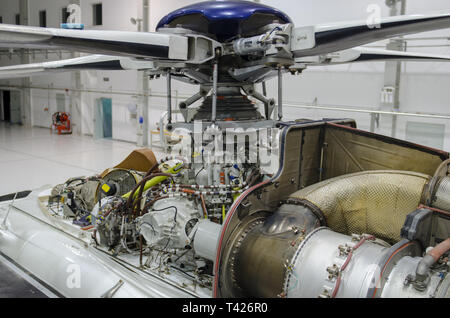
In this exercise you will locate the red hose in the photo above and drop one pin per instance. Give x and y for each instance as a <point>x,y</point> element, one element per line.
<point>440,250</point>
<point>205,211</point>
<point>347,261</point>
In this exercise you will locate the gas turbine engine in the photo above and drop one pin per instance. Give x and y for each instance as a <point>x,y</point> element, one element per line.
<point>292,226</point>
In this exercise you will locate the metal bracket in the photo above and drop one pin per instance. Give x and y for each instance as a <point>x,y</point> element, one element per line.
<point>269,104</point>
<point>344,250</point>
<point>333,272</point>
<point>183,106</point>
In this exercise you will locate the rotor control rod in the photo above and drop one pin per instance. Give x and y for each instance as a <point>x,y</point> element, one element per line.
<point>169,97</point>
<point>269,104</point>
<point>266,106</point>
<point>188,102</point>
<point>214,92</point>
<point>280,94</point>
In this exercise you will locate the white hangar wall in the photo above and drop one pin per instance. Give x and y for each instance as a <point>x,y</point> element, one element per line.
<point>424,86</point>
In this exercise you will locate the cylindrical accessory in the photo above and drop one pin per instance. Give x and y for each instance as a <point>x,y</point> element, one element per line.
<point>329,264</point>
<point>441,198</point>
<point>280,93</point>
<point>169,223</point>
<point>214,92</point>
<point>206,239</point>
<point>122,180</point>
<point>250,45</point>
<point>169,98</point>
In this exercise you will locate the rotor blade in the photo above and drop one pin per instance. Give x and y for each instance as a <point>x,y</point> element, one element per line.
<point>91,62</point>
<point>119,43</point>
<point>328,38</point>
<point>362,54</point>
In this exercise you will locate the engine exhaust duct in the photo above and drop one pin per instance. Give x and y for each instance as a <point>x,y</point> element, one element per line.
<point>315,244</point>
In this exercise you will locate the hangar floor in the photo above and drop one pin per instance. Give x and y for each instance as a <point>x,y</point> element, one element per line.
<point>32,157</point>
<point>18,283</point>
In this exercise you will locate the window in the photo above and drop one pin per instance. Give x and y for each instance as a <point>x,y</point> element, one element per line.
<point>65,15</point>
<point>1,19</point>
<point>17,19</point>
<point>98,14</point>
<point>43,19</point>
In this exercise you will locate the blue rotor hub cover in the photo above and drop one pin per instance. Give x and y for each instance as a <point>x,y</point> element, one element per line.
<point>224,20</point>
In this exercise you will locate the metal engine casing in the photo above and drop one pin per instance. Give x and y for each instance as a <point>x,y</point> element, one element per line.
<point>441,198</point>
<point>169,223</point>
<point>438,283</point>
<point>315,266</point>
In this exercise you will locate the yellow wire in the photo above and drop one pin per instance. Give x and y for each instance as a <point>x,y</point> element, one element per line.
<point>224,213</point>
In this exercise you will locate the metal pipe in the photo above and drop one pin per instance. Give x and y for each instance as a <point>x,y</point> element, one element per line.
<point>26,106</point>
<point>280,94</point>
<point>214,97</point>
<point>89,90</point>
<point>432,257</point>
<point>145,106</point>
<point>169,98</point>
<point>393,69</point>
<point>145,79</point>
<point>268,103</point>
<point>411,46</point>
<point>262,98</point>
<point>440,250</point>
<point>354,110</point>
<point>296,105</point>
<point>188,102</point>
<point>266,106</point>
<point>264,88</point>
<point>322,157</point>
<point>111,292</point>
<point>146,15</point>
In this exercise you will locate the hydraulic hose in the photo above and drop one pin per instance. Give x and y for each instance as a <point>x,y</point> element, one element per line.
<point>431,258</point>
<point>440,250</point>
<point>151,181</point>
<point>147,183</point>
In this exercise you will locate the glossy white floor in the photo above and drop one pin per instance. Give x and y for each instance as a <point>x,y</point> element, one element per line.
<point>32,157</point>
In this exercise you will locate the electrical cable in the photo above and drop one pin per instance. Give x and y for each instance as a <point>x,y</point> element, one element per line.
<point>347,261</point>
